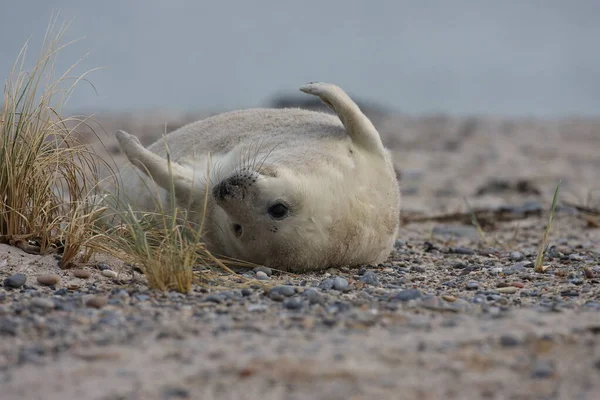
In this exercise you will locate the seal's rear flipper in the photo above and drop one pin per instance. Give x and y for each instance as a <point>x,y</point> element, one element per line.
<point>167,174</point>
<point>358,126</point>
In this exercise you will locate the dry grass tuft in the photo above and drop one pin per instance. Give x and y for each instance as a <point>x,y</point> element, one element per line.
<point>539,267</point>
<point>45,173</point>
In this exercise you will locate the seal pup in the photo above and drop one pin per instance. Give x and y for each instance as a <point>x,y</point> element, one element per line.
<point>293,189</point>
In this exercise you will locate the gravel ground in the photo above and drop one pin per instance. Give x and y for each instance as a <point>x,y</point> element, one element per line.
<point>453,314</point>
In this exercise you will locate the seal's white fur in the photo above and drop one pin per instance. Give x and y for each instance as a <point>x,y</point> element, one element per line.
<point>332,173</point>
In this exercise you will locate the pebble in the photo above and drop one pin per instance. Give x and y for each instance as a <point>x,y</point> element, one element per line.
<point>40,302</point>
<point>509,341</point>
<point>72,285</point>
<point>15,281</point>
<point>326,284</point>
<point>370,278</point>
<point>48,279</point>
<point>507,290</point>
<point>542,369</point>
<point>314,297</point>
<point>96,302</point>
<point>449,298</point>
<point>472,285</point>
<point>292,303</point>
<point>268,271</point>
<point>517,284</point>
<point>463,250</point>
<point>340,284</point>
<point>262,276</point>
<point>102,266</point>
<point>109,273</point>
<point>496,270</point>
<point>516,256</point>
<point>82,273</point>
<point>408,294</point>
<point>285,290</point>
<point>569,293</point>
<point>247,291</point>
<point>276,296</point>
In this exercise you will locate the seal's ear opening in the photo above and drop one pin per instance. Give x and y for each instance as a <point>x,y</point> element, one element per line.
<point>358,126</point>
<point>172,177</point>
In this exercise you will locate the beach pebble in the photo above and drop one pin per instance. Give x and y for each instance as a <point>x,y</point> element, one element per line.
<point>516,256</point>
<point>82,273</point>
<point>509,341</point>
<point>285,290</point>
<point>96,302</point>
<point>48,279</point>
<point>408,294</point>
<point>15,281</point>
<point>340,284</point>
<point>109,273</point>
<point>72,285</point>
<point>326,284</point>
<point>292,303</point>
<point>507,290</point>
<point>370,278</point>
<point>262,276</point>
<point>44,303</point>
<point>266,270</point>
<point>472,285</point>
<point>449,298</point>
<point>542,369</point>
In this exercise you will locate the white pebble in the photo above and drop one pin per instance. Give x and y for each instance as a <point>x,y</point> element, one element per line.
<point>262,276</point>
<point>109,273</point>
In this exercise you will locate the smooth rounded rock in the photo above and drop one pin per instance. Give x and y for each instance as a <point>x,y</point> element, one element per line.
<point>96,302</point>
<point>82,273</point>
<point>285,290</point>
<point>43,303</point>
<point>15,281</point>
<point>109,273</point>
<point>266,270</point>
<point>262,276</point>
<point>370,278</point>
<point>472,285</point>
<point>408,294</point>
<point>507,290</point>
<point>516,256</point>
<point>292,303</point>
<point>48,279</point>
<point>340,284</point>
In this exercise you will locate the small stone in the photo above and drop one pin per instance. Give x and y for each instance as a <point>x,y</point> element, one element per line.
<point>247,291</point>
<point>509,341</point>
<point>262,276</point>
<point>97,302</point>
<point>507,290</point>
<point>174,392</point>
<point>496,270</point>
<point>340,284</point>
<point>326,284</point>
<point>516,256</point>
<point>72,285</point>
<point>408,294</point>
<point>15,281</point>
<point>463,250</point>
<point>285,290</point>
<point>399,243</point>
<point>292,303</point>
<point>82,273</point>
<point>276,296</point>
<point>314,297</point>
<point>43,303</point>
<point>575,257</point>
<point>542,369</point>
<point>569,293</point>
<point>102,266</point>
<point>109,273</point>
<point>48,279</point>
<point>266,270</point>
<point>449,298</point>
<point>214,298</point>
<point>370,278</point>
<point>472,285</point>
<point>517,285</point>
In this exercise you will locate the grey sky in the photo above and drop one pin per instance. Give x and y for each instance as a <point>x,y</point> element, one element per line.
<point>520,57</point>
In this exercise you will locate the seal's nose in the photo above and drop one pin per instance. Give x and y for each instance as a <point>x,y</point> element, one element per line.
<point>228,188</point>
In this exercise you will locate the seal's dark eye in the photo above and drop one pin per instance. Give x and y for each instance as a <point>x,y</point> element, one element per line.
<point>278,211</point>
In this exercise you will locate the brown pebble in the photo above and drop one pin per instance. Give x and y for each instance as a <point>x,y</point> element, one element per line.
<point>48,279</point>
<point>72,285</point>
<point>82,273</point>
<point>517,284</point>
<point>449,298</point>
<point>97,302</point>
<point>589,274</point>
<point>507,290</point>
<point>502,284</point>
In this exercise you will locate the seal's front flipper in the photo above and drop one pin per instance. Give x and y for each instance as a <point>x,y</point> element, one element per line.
<point>167,174</point>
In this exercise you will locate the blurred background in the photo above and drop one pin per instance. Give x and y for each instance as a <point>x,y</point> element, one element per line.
<point>504,58</point>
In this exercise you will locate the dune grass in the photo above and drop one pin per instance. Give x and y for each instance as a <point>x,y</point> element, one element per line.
<point>539,261</point>
<point>45,173</point>
<point>50,185</point>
